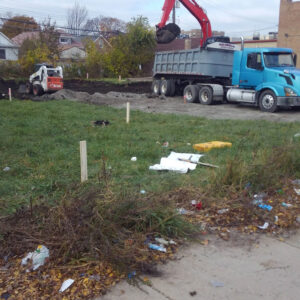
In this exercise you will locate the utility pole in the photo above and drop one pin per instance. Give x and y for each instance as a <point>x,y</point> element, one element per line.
<point>174,14</point>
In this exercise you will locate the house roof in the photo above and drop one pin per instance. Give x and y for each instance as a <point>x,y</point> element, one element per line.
<point>9,43</point>
<point>67,47</point>
<point>20,38</point>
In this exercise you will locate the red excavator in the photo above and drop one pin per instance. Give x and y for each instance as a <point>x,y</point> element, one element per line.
<point>167,33</point>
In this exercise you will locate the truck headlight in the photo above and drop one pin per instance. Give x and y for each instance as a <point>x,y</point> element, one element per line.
<point>289,92</point>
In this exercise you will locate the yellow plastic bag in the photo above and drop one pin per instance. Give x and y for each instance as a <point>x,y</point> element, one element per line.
<point>205,147</point>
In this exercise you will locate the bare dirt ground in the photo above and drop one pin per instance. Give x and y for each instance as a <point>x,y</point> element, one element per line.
<point>243,268</point>
<point>138,93</point>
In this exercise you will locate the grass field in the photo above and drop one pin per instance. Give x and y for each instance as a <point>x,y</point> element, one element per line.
<point>40,144</point>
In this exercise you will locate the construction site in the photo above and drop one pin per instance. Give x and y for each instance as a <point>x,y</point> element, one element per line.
<point>147,160</point>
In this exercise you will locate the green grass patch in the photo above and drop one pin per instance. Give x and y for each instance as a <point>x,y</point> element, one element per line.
<point>40,143</point>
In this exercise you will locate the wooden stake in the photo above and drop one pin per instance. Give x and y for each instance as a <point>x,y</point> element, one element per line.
<point>9,94</point>
<point>87,75</point>
<point>128,113</point>
<point>83,161</point>
<point>120,77</point>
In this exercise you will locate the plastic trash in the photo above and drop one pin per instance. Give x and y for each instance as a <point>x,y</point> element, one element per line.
<point>216,284</point>
<point>165,144</point>
<point>265,207</point>
<point>286,205</point>
<point>259,198</point>
<point>223,211</point>
<point>156,247</point>
<point>298,219</point>
<point>133,158</point>
<point>297,135</point>
<point>66,284</point>
<point>131,274</point>
<point>296,182</point>
<point>164,242</point>
<point>297,191</point>
<point>6,169</point>
<point>37,258</point>
<point>95,277</point>
<point>205,147</point>
<point>183,211</point>
<point>276,219</point>
<point>143,192</point>
<point>264,227</point>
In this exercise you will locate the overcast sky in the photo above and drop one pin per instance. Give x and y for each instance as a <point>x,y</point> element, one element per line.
<point>235,17</point>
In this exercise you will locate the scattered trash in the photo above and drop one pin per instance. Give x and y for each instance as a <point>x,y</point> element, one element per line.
<point>66,284</point>
<point>156,247</point>
<point>188,144</point>
<point>286,205</point>
<point>296,182</point>
<point>133,158</point>
<point>95,277</point>
<point>205,147</point>
<point>6,169</point>
<point>5,296</point>
<point>36,258</point>
<point>194,293</point>
<point>217,284</point>
<point>258,198</point>
<point>248,186</point>
<point>264,227</point>
<point>265,207</point>
<point>101,123</point>
<point>297,135</point>
<point>143,192</point>
<point>165,242</point>
<point>165,144</point>
<point>199,206</point>
<point>172,163</point>
<point>183,211</point>
<point>223,211</point>
<point>194,202</point>
<point>131,274</point>
<point>297,191</point>
<point>298,219</point>
<point>276,219</point>
<point>199,163</point>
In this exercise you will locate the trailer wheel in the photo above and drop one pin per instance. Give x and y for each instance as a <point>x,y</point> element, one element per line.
<point>167,87</point>
<point>156,86</point>
<point>37,90</point>
<point>268,101</point>
<point>206,95</point>
<point>191,93</point>
<point>28,89</point>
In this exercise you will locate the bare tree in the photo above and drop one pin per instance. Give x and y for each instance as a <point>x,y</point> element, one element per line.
<point>105,24</point>
<point>77,15</point>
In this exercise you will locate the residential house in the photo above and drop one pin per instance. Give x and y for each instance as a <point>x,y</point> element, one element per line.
<point>8,50</point>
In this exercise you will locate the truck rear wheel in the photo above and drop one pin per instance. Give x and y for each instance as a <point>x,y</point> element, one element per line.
<point>268,101</point>
<point>37,90</point>
<point>156,86</point>
<point>191,93</point>
<point>206,95</point>
<point>167,87</point>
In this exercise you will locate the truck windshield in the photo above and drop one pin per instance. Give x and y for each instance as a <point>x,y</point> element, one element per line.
<point>277,59</point>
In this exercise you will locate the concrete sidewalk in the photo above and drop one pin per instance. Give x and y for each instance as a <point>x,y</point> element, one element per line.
<point>249,268</point>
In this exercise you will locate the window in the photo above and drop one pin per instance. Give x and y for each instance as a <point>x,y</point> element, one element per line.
<point>254,61</point>
<point>64,40</point>
<point>277,59</point>
<point>2,54</point>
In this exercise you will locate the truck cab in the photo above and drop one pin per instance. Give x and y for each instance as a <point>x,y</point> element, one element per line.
<point>266,77</point>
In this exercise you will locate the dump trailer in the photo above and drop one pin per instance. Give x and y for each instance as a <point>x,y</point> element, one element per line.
<point>218,71</point>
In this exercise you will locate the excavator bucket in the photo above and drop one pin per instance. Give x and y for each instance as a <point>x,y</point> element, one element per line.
<point>167,33</point>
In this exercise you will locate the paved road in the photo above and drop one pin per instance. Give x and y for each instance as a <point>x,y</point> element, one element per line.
<point>263,268</point>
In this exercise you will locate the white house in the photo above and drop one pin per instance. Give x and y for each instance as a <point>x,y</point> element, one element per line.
<point>8,50</point>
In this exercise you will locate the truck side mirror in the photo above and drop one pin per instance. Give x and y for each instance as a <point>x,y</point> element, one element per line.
<point>295,59</point>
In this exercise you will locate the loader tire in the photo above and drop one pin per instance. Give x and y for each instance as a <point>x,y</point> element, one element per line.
<point>37,90</point>
<point>29,88</point>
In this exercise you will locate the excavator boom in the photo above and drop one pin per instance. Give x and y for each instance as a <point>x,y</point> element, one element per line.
<point>163,36</point>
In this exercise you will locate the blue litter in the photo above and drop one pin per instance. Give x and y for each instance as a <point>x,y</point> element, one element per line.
<point>265,207</point>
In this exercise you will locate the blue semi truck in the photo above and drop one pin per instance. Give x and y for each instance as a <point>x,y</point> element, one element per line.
<point>219,71</point>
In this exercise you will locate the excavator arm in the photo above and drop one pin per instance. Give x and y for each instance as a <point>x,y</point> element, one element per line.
<point>167,33</point>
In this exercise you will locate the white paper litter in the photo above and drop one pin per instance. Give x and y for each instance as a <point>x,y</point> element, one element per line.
<point>172,163</point>
<point>264,227</point>
<point>37,258</point>
<point>297,191</point>
<point>66,284</point>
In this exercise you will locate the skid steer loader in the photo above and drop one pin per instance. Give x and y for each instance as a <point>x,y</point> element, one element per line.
<point>45,79</point>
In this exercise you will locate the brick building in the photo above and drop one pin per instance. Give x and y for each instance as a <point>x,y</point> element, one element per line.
<point>289,26</point>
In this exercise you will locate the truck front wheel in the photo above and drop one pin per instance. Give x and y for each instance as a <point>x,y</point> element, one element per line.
<point>206,95</point>
<point>191,93</point>
<point>268,101</point>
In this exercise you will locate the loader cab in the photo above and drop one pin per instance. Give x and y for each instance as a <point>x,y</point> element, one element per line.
<point>38,66</point>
